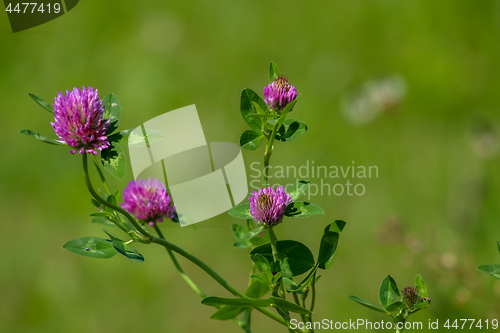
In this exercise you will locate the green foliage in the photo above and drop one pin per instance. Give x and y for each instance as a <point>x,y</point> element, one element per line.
<point>42,103</point>
<point>248,97</point>
<point>306,282</point>
<point>337,226</point>
<point>266,278</point>
<point>114,160</point>
<point>112,111</point>
<point>284,304</point>
<point>105,214</point>
<point>93,247</point>
<point>241,241</point>
<point>327,247</point>
<point>241,211</point>
<point>274,71</point>
<point>302,209</point>
<point>263,265</point>
<point>396,306</point>
<point>252,233</point>
<point>392,301</point>
<point>41,138</point>
<point>388,292</point>
<point>291,130</point>
<point>493,270</point>
<point>133,139</point>
<point>96,203</point>
<point>227,312</point>
<point>296,190</point>
<point>421,286</point>
<point>244,302</point>
<point>112,199</point>
<point>285,111</point>
<point>251,140</point>
<point>103,221</point>
<point>284,267</point>
<point>127,251</point>
<point>366,304</point>
<point>300,259</point>
<point>99,172</point>
<point>256,289</point>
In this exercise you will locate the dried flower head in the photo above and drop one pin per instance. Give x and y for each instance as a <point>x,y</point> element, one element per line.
<point>279,94</point>
<point>411,297</point>
<point>268,206</point>
<point>79,122</point>
<point>148,200</point>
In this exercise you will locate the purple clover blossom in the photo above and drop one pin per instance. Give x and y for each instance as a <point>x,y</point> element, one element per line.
<point>268,206</point>
<point>78,120</point>
<point>410,297</point>
<point>148,200</point>
<point>279,94</point>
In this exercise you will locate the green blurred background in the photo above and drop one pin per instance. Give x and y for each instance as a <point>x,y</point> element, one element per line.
<point>433,210</point>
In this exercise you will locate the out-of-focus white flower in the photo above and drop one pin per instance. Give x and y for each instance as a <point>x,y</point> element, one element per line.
<point>375,97</point>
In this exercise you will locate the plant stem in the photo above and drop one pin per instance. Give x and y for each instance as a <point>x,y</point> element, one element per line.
<point>281,288</point>
<point>179,268</point>
<point>110,205</point>
<point>296,299</point>
<point>274,250</point>
<point>401,318</point>
<point>313,300</point>
<point>267,154</point>
<point>101,175</point>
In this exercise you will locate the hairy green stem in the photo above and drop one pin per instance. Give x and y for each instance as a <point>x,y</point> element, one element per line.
<point>274,250</point>
<point>267,155</point>
<point>296,299</point>
<point>313,300</point>
<point>401,318</point>
<point>101,175</point>
<point>179,268</point>
<point>281,289</point>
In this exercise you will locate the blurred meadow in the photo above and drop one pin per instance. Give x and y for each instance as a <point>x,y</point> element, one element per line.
<point>434,209</point>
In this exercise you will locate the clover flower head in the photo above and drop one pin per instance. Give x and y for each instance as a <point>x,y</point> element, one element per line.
<point>78,120</point>
<point>279,93</point>
<point>268,206</point>
<point>411,297</point>
<point>148,200</point>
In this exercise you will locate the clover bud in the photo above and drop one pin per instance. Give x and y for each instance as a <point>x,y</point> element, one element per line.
<point>411,297</point>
